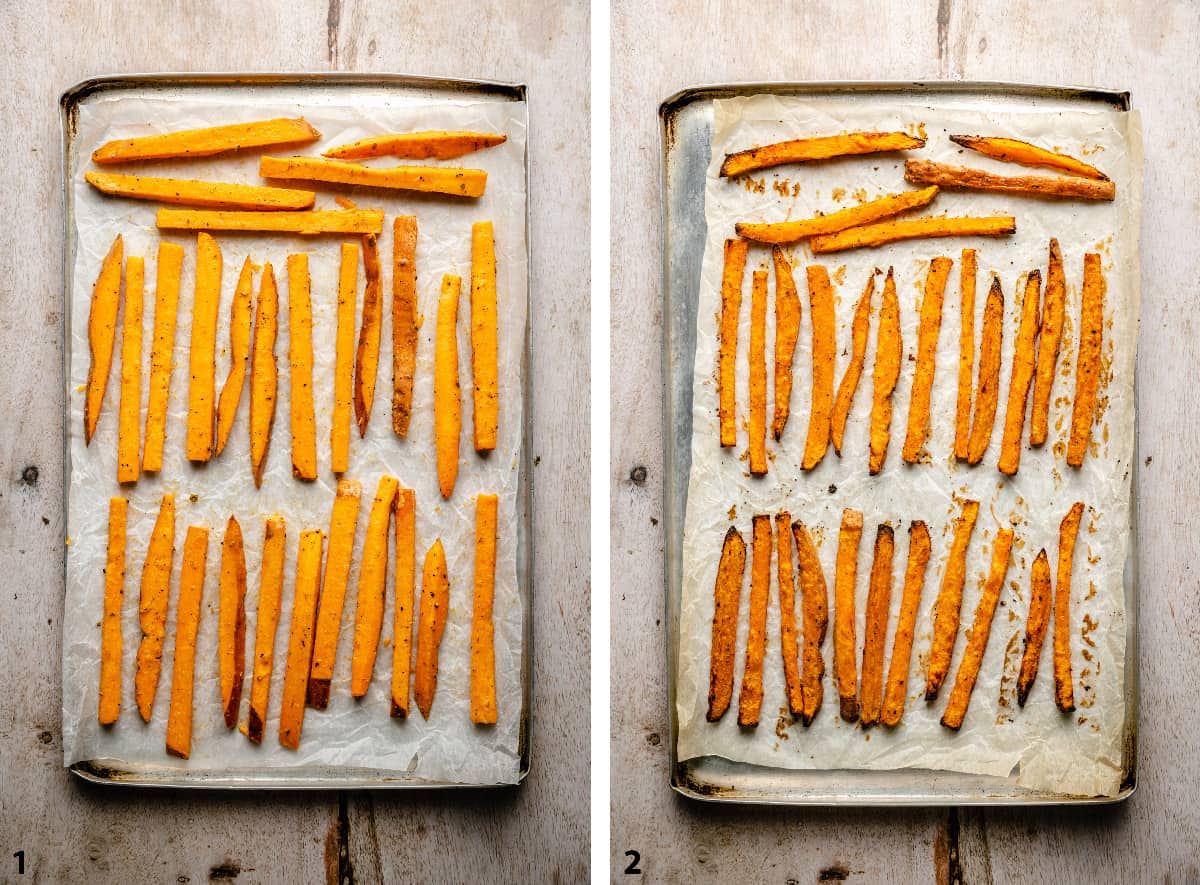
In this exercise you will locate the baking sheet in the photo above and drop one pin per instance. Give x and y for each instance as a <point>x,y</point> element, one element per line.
<point>351,735</point>
<point>1044,751</point>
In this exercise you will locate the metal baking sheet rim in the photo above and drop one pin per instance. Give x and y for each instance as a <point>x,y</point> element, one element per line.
<point>98,771</point>
<point>693,778</point>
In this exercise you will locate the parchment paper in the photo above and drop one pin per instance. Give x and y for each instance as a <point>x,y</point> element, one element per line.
<point>1076,754</point>
<point>352,734</point>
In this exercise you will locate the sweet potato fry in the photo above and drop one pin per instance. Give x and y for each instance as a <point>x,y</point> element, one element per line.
<point>429,145</point>
<point>977,638</point>
<point>789,637</point>
<point>802,150</point>
<point>888,351</point>
<point>102,334</point>
<point>824,357</point>
<point>404,320</point>
<point>343,367</point>
<point>240,316</point>
<point>300,638</point>
<point>896,690</point>
<point>726,599</point>
<point>1035,624</point>
<point>372,587</point>
<point>962,178</point>
<point>966,356</point>
<point>751,696</point>
<point>1064,693</point>
<point>435,602</point>
<point>447,398</point>
<point>270,593</point>
<point>231,620</point>
<point>111,642</point>
<point>1010,150</point>
<point>187,624</point>
<point>451,180</point>
<point>1049,338</point>
<point>406,576</point>
<point>855,216</point>
<point>731,304</point>
<point>264,374</point>
<point>758,374</point>
<point>483,650</point>
<point>300,359</point>
<point>308,224</point>
<point>927,338</point>
<point>787,331</point>
<point>206,142</point>
<point>162,353</point>
<point>152,606</point>
<point>366,360</point>
<point>1087,367</point>
<point>815,602</point>
<point>202,358</point>
<point>129,412</point>
<point>859,328</point>
<point>208,194</point>
<point>342,525</point>
<point>948,607</point>
<point>882,232</point>
<point>1024,355</point>
<point>987,396</point>
<point>485,400</point>
<point>879,600</point>
<point>845,582</point>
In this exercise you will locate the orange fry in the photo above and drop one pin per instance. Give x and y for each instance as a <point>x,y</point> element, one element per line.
<point>1049,338</point>
<point>888,352</point>
<point>300,638</point>
<point>129,412</point>
<point>264,373</point>
<point>927,338</point>
<point>1035,624</point>
<point>404,320</point>
<point>1011,150</point>
<point>726,599</point>
<point>405,583</point>
<point>859,328</point>
<point>845,582</point>
<point>1087,368</point>
<point>209,194</point>
<point>962,178</point>
<point>152,606</point>
<point>788,636</point>
<point>111,642</point>
<point>206,142</point>
<point>202,356</point>
<point>987,397</point>
<point>1064,694</point>
<point>300,359</point>
<point>372,587</point>
<point>342,525</point>
<point>824,357</point>
<point>231,616</point>
<point>855,216</point>
<point>239,356</point>
<point>750,699</point>
<point>815,602</point>
<point>966,356</point>
<point>948,608</point>
<point>433,144</point>
<point>366,361</point>
<point>787,331</point>
<point>1022,376</point>
<point>731,302</point>
<point>882,232</point>
<point>879,600</point>
<point>162,353</point>
<point>102,334</point>
<point>902,642</point>
<point>826,147</point>
<point>187,624</point>
<point>343,361</point>
<point>270,593</point>
<point>758,374</point>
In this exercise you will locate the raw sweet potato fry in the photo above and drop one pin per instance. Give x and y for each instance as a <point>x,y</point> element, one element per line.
<point>129,412</point>
<point>270,594</point>
<point>787,331</point>
<point>987,396</point>
<point>927,338</point>
<point>342,525</point>
<point>404,320</point>
<point>824,358</point>
<point>483,650</point>
<point>977,638</point>
<point>1064,693</point>
<point>343,366</point>
<point>187,624</point>
<point>731,304</point>
<point>202,358</point>
<point>726,599</point>
<point>948,607</point>
<point>962,178</point>
<point>845,582</point>
<point>789,637</point>
<point>751,696</point>
<point>1011,150</point>
<point>451,180</point>
<point>240,316</point>
<point>366,360</point>
<point>447,398</point>
<point>879,600</point>
<point>152,606</point>
<point>435,602</point>
<point>406,576</point>
<point>966,356</point>
<point>1087,367</point>
<point>300,359</point>
<point>300,638</point>
<point>485,400</point>
<point>111,642</point>
<point>1035,625</point>
<point>432,144</point>
<point>264,374</point>
<point>882,232</point>
<point>815,603</point>
<point>372,587</point>
<point>888,351</point>
<point>206,142</point>
<point>896,691</point>
<point>855,216</point>
<point>231,615</point>
<point>1024,355</point>
<point>758,374</point>
<point>208,194</point>
<point>1049,338</point>
<point>162,353</point>
<point>859,328</point>
<point>311,223</point>
<point>826,147</point>
<point>102,334</point>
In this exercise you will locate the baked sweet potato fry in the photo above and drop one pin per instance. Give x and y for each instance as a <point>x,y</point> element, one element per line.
<point>758,374</point>
<point>483,649</point>
<point>727,594</point>
<point>404,320</point>
<point>264,373</point>
<point>342,525</point>
<point>300,638</point>
<point>927,338</point>
<point>343,365</point>
<point>270,594</point>
<point>855,216</point>
<point>859,328</point>
<point>111,641</point>
<point>486,398</point>
<point>129,412</point>
<point>1064,693</point>
<point>450,180</point>
<point>162,353</point>
<point>152,606</point>
<point>948,607</point>
<point>187,624</point>
<point>207,194</point>
<point>1087,367</point>
<point>405,583</point>
<point>787,331</point>
<point>206,142</point>
<point>429,145</point>
<point>240,316</point>
<point>789,636</point>
<point>231,621</point>
<point>202,358</point>
<point>1049,338</point>
<point>311,223</point>
<point>962,178</point>
<point>372,587</point>
<point>845,582</point>
<point>731,304</point>
<point>896,691</point>
<point>966,356</point>
<point>879,600</point>
<point>802,150</point>
<point>1011,150</point>
<point>1024,355</point>
<point>815,603</point>
<point>987,396</point>
<point>751,695</point>
<point>1035,624</point>
<point>888,351</point>
<point>447,398</point>
<point>977,638</point>
<point>824,359</point>
<point>102,334</point>
<point>300,360</point>
<point>366,359</point>
<point>435,603</point>
<point>882,232</point>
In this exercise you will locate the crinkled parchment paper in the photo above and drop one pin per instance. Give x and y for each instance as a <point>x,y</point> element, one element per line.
<point>1076,754</point>
<point>352,734</point>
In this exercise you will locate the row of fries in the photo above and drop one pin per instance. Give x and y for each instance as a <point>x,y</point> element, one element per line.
<point>867,698</point>
<point>316,614</point>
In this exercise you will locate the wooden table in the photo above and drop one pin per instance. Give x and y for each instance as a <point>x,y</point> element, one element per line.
<point>1149,48</point>
<point>70,831</point>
